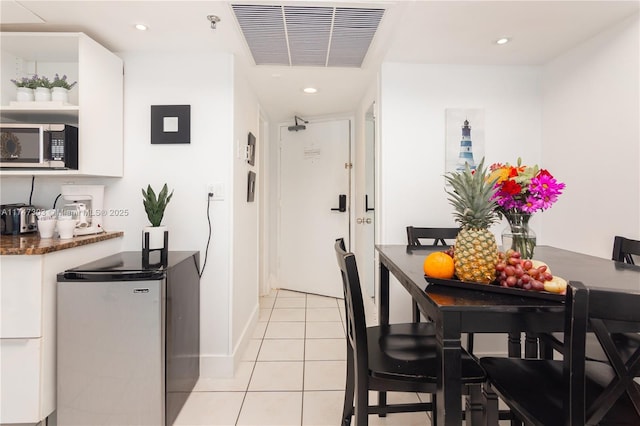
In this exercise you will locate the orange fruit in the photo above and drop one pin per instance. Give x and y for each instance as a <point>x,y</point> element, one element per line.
<point>439,265</point>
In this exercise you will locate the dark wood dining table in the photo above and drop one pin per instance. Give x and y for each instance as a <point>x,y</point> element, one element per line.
<point>460,310</point>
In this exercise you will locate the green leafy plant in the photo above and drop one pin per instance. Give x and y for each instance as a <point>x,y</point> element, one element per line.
<point>154,206</point>
<point>28,82</point>
<point>62,82</point>
<point>41,82</point>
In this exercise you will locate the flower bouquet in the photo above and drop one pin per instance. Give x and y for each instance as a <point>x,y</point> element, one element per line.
<point>520,192</point>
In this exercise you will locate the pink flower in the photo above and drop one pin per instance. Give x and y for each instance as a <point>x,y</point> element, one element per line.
<point>524,189</point>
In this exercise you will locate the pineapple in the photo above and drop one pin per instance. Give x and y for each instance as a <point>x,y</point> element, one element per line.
<point>476,252</point>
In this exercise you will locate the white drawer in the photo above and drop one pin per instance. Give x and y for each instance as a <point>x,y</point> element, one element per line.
<point>20,296</point>
<point>20,384</point>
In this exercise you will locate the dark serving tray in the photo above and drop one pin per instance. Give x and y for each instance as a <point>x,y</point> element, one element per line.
<point>494,288</point>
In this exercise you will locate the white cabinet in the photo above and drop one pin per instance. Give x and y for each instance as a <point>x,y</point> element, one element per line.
<point>28,328</point>
<point>96,102</point>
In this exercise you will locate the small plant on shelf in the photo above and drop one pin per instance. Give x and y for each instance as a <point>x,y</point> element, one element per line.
<point>154,206</point>
<point>28,82</point>
<point>62,82</point>
<point>42,82</point>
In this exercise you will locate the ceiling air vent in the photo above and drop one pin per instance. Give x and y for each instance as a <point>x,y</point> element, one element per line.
<point>308,36</point>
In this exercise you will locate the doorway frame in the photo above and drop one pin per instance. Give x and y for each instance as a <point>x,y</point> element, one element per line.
<point>276,209</point>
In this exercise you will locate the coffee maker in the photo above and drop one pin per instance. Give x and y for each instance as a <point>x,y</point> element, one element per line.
<point>85,204</point>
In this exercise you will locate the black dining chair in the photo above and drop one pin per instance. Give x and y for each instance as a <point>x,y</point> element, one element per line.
<point>574,391</point>
<point>439,236</point>
<point>393,358</point>
<point>624,249</point>
<point>627,343</point>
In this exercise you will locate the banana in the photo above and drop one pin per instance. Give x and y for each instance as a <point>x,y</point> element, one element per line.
<point>556,285</point>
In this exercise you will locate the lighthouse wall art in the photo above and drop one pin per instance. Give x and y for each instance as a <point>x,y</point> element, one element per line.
<point>465,137</point>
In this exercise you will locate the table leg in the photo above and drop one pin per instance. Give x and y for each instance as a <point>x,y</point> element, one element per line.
<point>449,389</point>
<point>530,345</point>
<point>515,351</point>
<point>514,347</point>
<point>383,315</point>
<point>383,303</point>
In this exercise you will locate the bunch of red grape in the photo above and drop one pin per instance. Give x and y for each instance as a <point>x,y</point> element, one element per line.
<point>450,251</point>
<point>513,271</point>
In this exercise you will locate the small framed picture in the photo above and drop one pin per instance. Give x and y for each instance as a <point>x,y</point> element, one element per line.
<point>251,149</point>
<point>170,124</point>
<point>464,138</point>
<point>251,187</point>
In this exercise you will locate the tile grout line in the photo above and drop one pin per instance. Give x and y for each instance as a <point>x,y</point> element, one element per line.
<point>255,361</point>
<point>304,358</point>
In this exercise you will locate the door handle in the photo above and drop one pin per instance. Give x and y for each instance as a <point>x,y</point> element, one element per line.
<point>342,203</point>
<point>366,204</point>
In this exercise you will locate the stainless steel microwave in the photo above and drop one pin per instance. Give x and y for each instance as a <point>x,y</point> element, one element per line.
<point>39,146</point>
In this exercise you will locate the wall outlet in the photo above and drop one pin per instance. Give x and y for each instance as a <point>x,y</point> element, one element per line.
<point>217,189</point>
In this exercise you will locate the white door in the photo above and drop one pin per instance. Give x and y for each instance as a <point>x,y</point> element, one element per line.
<point>314,174</point>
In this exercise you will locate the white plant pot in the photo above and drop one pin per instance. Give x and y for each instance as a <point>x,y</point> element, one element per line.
<point>43,94</point>
<point>60,94</point>
<point>156,236</point>
<point>24,94</point>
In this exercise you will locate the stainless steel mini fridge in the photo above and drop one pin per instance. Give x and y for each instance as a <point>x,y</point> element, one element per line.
<point>127,338</point>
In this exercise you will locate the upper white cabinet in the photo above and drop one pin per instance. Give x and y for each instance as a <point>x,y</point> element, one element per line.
<point>95,103</point>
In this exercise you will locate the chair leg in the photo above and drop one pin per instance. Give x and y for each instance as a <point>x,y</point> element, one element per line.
<point>475,406</point>
<point>416,312</point>
<point>362,401</point>
<point>382,402</point>
<point>490,402</point>
<point>349,388</point>
<point>434,410</point>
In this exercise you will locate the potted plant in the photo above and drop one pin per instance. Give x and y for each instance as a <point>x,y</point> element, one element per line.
<point>60,88</point>
<point>26,86</point>
<point>42,88</point>
<point>155,206</point>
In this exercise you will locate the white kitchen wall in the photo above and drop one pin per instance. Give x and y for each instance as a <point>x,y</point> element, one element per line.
<point>413,99</point>
<point>206,83</point>
<point>591,140</point>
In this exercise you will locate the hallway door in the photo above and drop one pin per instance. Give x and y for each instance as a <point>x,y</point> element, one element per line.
<point>314,176</point>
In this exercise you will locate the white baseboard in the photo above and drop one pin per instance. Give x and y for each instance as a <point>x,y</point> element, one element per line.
<point>216,366</point>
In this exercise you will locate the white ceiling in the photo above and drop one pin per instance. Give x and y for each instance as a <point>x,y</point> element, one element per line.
<point>455,32</point>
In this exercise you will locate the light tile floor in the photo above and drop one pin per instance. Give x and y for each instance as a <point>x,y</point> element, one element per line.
<point>292,373</point>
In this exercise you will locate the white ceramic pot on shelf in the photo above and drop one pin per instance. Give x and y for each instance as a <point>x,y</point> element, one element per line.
<point>156,236</point>
<point>43,94</point>
<point>24,94</point>
<point>60,94</point>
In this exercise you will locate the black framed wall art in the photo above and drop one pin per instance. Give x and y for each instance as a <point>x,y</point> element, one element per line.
<point>170,124</point>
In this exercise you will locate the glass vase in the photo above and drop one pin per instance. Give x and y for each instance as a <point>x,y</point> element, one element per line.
<point>518,236</point>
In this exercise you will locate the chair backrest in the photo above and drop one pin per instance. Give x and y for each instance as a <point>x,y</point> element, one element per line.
<point>624,249</point>
<point>595,310</point>
<point>354,307</point>
<point>439,235</point>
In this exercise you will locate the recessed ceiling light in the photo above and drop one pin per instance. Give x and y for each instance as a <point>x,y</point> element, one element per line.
<point>503,40</point>
<point>141,27</point>
<point>310,90</point>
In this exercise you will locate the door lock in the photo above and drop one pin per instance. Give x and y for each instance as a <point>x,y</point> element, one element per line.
<point>363,220</point>
<point>342,203</point>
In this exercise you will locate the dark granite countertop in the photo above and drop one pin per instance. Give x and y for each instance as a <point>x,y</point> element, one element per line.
<point>33,244</point>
